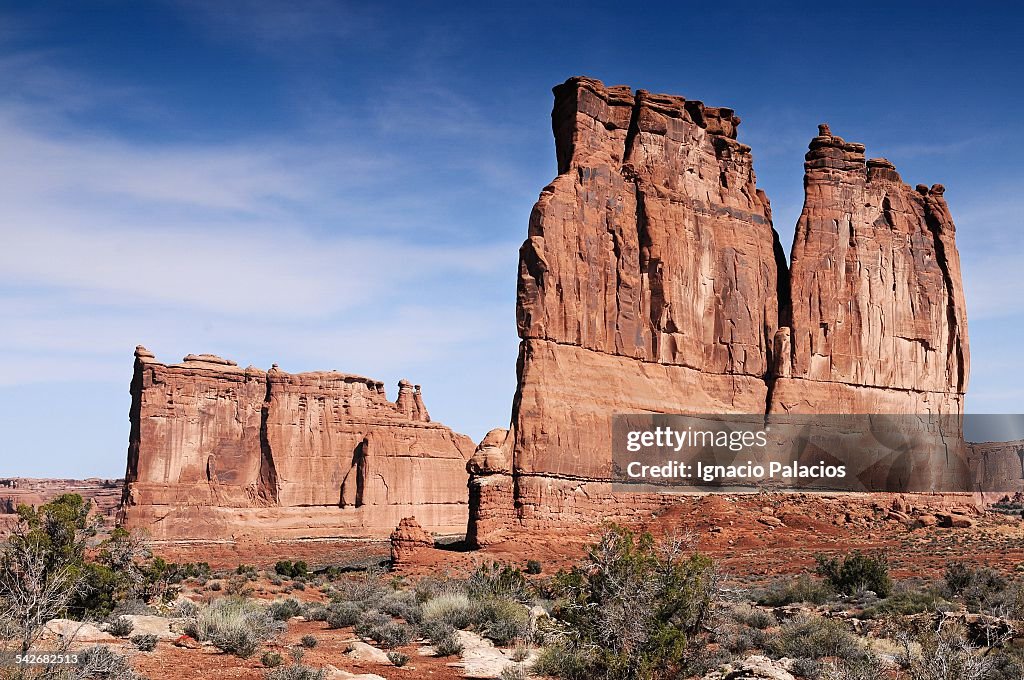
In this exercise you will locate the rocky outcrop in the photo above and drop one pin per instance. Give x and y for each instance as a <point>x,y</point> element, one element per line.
<point>878,322</point>
<point>652,281</point>
<point>407,539</point>
<point>219,451</point>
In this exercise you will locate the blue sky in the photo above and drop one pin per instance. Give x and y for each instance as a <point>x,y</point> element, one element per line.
<point>335,185</point>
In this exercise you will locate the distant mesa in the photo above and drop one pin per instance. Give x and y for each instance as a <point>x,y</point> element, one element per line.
<point>217,451</point>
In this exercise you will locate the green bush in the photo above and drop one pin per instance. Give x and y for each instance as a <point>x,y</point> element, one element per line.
<point>146,642</point>
<point>283,610</point>
<point>815,637</point>
<point>856,572</point>
<point>636,602</point>
<point>533,567</point>
<point>907,601</point>
<point>398,658</point>
<point>498,580</point>
<point>455,609</point>
<point>753,617</point>
<point>308,641</point>
<point>566,661</point>
<point>271,659</point>
<point>402,605</point>
<point>296,672</point>
<point>504,621</point>
<point>448,645</point>
<point>343,614</point>
<point>802,588</point>
<point>515,672</point>
<point>102,662</point>
<point>121,627</point>
<point>234,625</point>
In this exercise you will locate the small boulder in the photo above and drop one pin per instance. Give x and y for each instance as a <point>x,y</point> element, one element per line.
<point>362,651</point>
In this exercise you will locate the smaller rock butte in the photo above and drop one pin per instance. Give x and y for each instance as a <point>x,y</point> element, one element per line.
<point>217,451</point>
<point>407,539</point>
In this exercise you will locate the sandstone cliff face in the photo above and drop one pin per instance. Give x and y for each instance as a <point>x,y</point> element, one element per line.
<point>652,281</point>
<point>218,451</point>
<point>879,322</point>
<point>648,278</point>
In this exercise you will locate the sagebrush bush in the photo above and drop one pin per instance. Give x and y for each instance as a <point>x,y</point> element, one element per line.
<point>753,617</point>
<point>455,609</point>
<point>448,645</point>
<point>146,642</point>
<point>533,567</point>
<point>566,661</point>
<point>815,637</point>
<point>504,621</point>
<point>868,667</point>
<point>103,662</point>
<point>907,601</point>
<point>856,572</point>
<point>513,672</point>
<point>121,627</point>
<point>296,672</point>
<point>271,659</point>
<point>398,658</point>
<point>944,655</point>
<point>792,590</point>
<point>234,625</point>
<point>315,612</point>
<point>343,614</point>
<point>282,610</point>
<point>402,605</point>
<point>502,581</point>
<point>308,641</point>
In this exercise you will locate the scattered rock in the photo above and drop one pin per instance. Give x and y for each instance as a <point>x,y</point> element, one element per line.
<point>768,520</point>
<point>187,642</point>
<point>753,667</point>
<point>76,630</point>
<point>358,649</point>
<point>151,625</point>
<point>954,521</point>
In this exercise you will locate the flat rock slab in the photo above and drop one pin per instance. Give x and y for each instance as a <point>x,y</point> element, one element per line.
<point>357,649</point>
<point>337,674</point>
<point>76,630</point>
<point>480,658</point>
<point>152,625</point>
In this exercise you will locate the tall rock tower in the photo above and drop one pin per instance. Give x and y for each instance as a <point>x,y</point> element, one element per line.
<point>652,281</point>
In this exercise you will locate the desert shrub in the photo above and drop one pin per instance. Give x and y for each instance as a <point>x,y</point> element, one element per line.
<point>215,586</point>
<point>455,609</point>
<point>448,645</point>
<point>802,588</point>
<point>102,662</point>
<point>276,580</point>
<point>359,589</point>
<point>369,620</point>
<point>740,638</point>
<point>343,614</point>
<point>121,627</point>
<point>856,572</point>
<point>315,612</point>
<point>980,588</point>
<point>753,617</point>
<point>906,601</point>
<point>946,654</point>
<point>186,609</point>
<point>810,669</point>
<point>146,642</point>
<point>296,672</point>
<point>283,610</point>
<point>533,567</point>
<point>815,637</point>
<point>504,621</point>
<point>520,651</point>
<point>566,661</point>
<point>234,625</point>
<point>430,587</point>
<point>402,605</point>
<point>308,641</point>
<point>391,634</point>
<point>513,672</point>
<point>868,667</point>
<point>502,581</point>
<point>637,602</point>
<point>291,569</point>
<point>434,630</point>
<point>271,659</point>
<point>398,658</point>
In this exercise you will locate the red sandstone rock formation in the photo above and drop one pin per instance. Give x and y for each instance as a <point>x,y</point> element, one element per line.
<point>879,323</point>
<point>652,281</point>
<point>407,539</point>
<point>219,451</point>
